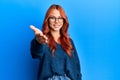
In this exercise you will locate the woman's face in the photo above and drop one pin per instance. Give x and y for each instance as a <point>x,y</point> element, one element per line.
<point>55,20</point>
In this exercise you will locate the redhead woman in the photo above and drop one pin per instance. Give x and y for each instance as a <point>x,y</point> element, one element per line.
<point>54,48</point>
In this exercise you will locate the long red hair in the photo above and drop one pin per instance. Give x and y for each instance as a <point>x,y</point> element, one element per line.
<point>64,38</point>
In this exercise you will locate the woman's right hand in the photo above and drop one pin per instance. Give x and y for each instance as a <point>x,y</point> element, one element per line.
<point>40,37</point>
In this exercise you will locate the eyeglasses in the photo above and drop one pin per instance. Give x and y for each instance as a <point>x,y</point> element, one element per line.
<point>53,19</point>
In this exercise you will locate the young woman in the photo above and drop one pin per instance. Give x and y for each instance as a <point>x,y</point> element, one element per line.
<point>54,48</point>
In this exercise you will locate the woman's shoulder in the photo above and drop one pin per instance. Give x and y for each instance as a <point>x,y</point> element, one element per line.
<point>71,40</point>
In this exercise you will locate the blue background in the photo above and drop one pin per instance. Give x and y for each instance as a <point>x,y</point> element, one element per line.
<point>94,28</point>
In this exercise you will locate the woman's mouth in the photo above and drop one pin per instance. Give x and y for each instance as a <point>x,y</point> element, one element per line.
<point>56,26</point>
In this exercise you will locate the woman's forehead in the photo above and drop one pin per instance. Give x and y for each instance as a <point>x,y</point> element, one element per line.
<point>55,12</point>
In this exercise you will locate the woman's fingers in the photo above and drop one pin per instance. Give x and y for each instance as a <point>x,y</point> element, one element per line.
<point>41,38</point>
<point>36,30</point>
<point>32,27</point>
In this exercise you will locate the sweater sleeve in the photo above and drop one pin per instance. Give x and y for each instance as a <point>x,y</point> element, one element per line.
<point>36,49</point>
<point>73,65</point>
<point>77,62</point>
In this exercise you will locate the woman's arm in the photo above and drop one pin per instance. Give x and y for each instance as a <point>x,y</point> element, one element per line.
<point>37,44</point>
<point>73,65</point>
<point>36,49</point>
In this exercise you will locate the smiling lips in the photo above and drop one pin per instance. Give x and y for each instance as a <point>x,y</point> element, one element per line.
<point>56,26</point>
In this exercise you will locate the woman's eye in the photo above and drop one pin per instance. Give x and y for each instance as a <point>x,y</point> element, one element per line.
<point>52,17</point>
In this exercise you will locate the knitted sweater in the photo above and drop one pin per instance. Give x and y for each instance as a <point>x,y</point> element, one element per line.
<point>59,64</point>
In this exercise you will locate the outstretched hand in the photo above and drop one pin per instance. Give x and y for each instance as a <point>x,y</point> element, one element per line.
<point>40,37</point>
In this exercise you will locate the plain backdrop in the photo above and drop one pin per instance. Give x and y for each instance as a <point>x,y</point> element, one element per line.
<point>94,28</point>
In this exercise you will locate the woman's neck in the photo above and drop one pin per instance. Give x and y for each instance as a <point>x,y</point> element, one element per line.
<point>56,35</point>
